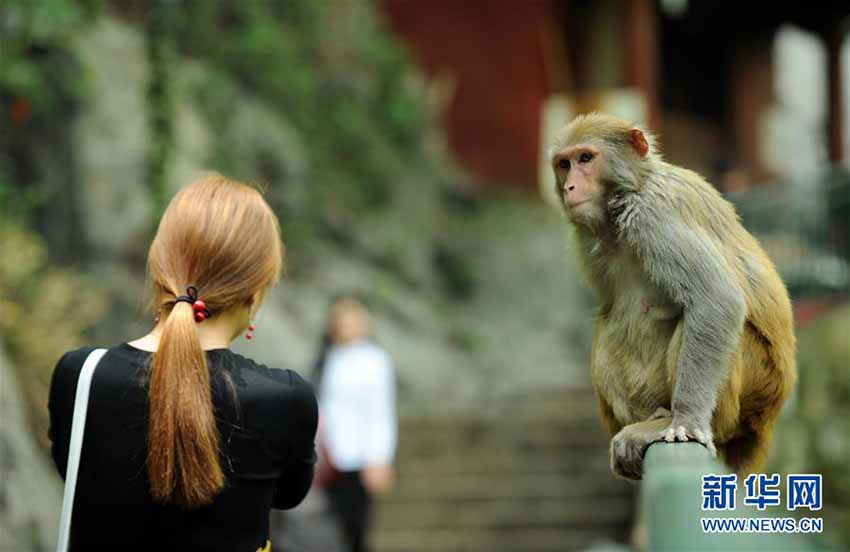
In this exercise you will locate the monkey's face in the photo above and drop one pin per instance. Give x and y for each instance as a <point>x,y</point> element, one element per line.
<point>578,179</point>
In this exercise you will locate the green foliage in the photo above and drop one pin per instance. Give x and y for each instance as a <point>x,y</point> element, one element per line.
<point>161,26</point>
<point>455,274</point>
<point>331,71</point>
<point>15,203</point>
<point>824,410</point>
<point>38,78</point>
<point>814,436</point>
<point>45,312</point>
<point>35,61</point>
<point>44,308</point>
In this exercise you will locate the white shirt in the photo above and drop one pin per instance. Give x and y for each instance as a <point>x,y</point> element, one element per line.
<point>358,406</point>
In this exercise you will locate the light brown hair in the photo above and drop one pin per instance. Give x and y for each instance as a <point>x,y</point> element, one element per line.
<point>223,238</point>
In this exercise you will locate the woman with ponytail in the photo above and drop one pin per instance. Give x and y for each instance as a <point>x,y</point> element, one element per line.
<point>188,445</point>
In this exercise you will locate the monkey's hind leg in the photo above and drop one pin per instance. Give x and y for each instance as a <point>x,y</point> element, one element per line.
<point>765,389</point>
<point>629,446</point>
<point>747,453</point>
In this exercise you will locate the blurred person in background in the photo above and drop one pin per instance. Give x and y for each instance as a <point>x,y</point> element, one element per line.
<point>188,445</point>
<point>356,384</point>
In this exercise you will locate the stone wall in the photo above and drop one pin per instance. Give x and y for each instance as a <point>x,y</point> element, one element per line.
<point>525,324</point>
<point>31,489</point>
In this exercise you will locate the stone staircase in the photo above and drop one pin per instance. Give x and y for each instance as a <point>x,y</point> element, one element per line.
<point>532,476</point>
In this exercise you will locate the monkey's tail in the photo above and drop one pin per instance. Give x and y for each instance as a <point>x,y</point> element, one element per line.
<point>747,453</point>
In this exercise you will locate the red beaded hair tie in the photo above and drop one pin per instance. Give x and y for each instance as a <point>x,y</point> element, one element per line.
<point>198,306</point>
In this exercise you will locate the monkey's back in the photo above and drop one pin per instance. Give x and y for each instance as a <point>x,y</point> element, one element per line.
<point>769,309</point>
<point>764,370</point>
<point>768,304</point>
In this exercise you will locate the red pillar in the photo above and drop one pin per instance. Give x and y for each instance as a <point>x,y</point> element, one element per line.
<point>493,50</point>
<point>641,56</point>
<point>834,41</point>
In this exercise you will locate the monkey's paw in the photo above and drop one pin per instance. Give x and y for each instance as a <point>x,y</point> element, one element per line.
<point>628,447</point>
<point>685,430</point>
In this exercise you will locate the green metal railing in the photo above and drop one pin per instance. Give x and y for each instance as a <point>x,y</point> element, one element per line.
<point>671,503</point>
<point>805,227</point>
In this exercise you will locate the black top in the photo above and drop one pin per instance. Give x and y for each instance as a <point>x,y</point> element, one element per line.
<point>267,437</point>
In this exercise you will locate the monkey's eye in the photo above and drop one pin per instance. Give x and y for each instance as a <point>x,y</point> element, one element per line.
<point>564,163</point>
<point>585,157</point>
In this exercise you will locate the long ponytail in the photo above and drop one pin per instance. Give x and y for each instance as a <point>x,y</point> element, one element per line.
<point>183,441</point>
<point>221,237</point>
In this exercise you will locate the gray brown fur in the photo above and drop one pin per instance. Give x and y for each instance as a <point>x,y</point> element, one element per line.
<point>716,347</point>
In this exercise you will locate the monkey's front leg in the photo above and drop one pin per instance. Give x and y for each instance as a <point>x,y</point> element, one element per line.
<point>694,398</point>
<point>683,431</point>
<point>710,336</point>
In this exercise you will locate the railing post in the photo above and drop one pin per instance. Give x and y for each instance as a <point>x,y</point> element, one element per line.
<point>671,503</point>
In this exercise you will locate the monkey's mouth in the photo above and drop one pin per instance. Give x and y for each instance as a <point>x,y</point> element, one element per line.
<point>577,203</point>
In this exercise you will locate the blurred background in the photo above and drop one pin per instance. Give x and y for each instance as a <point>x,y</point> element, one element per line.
<point>400,142</point>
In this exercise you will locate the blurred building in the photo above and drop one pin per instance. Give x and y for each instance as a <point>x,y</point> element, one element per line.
<point>748,94</point>
<point>728,85</point>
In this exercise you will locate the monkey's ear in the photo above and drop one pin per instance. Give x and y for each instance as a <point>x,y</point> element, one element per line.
<point>638,142</point>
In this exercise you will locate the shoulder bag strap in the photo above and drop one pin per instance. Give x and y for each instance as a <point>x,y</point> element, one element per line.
<point>78,426</point>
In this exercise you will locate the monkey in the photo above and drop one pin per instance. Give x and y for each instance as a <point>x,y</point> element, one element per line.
<point>693,338</point>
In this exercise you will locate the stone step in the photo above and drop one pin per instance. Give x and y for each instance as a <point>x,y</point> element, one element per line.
<point>575,406</point>
<point>505,462</point>
<point>459,425</point>
<point>481,438</point>
<point>491,540</point>
<point>523,485</point>
<point>505,513</point>
<point>527,474</point>
<point>505,451</point>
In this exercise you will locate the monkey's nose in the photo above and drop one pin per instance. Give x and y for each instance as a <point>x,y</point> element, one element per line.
<point>571,188</point>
